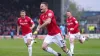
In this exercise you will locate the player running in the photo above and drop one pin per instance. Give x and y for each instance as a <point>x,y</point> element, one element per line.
<point>47,19</point>
<point>26,24</point>
<point>73,31</point>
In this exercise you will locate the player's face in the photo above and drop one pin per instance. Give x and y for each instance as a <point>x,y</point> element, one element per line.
<point>43,7</point>
<point>22,14</point>
<point>69,14</point>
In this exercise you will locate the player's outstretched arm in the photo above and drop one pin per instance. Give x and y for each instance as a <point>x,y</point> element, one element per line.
<point>33,25</point>
<point>48,21</point>
<point>18,27</point>
<point>36,31</point>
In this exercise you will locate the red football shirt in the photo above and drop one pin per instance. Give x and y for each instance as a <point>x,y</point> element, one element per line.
<point>52,28</point>
<point>72,23</point>
<point>25,24</point>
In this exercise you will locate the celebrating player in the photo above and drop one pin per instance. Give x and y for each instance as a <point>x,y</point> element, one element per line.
<point>26,24</point>
<point>73,31</point>
<point>47,19</point>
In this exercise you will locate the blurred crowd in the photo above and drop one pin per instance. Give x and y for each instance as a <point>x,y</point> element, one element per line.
<point>9,12</point>
<point>8,25</point>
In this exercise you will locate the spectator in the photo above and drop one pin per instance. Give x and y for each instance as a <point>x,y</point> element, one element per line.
<point>12,34</point>
<point>62,27</point>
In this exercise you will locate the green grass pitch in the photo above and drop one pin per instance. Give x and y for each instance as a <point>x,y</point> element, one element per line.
<point>17,47</point>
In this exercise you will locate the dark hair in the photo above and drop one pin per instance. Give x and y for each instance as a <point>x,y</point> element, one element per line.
<point>45,3</point>
<point>68,11</point>
<point>23,11</point>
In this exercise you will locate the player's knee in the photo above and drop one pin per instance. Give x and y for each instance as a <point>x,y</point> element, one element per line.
<point>28,43</point>
<point>43,47</point>
<point>71,41</point>
<point>64,49</point>
<point>80,41</point>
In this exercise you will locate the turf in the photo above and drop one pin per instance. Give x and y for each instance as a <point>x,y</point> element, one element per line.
<point>17,47</point>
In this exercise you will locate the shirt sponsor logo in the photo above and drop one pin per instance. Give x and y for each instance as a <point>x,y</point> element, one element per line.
<point>25,20</point>
<point>69,23</point>
<point>23,23</point>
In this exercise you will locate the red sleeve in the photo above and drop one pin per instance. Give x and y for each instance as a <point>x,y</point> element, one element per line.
<point>18,22</point>
<point>30,21</point>
<point>76,23</point>
<point>40,21</point>
<point>67,27</point>
<point>50,14</point>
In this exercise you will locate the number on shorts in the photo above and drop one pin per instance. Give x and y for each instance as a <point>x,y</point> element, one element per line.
<point>30,35</point>
<point>62,41</point>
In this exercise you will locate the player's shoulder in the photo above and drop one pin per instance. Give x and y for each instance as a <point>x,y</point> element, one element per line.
<point>28,18</point>
<point>73,18</point>
<point>50,11</point>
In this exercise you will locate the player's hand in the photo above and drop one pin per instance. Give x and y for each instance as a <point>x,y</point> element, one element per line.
<point>38,28</point>
<point>36,32</point>
<point>71,29</point>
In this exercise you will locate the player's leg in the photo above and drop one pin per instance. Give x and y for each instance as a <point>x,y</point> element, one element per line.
<point>35,37</point>
<point>29,41</point>
<point>47,41</point>
<point>81,37</point>
<point>60,42</point>
<point>11,37</point>
<point>29,45</point>
<point>71,40</point>
<point>64,36</point>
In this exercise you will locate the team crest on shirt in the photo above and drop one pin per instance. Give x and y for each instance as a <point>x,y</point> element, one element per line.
<point>25,20</point>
